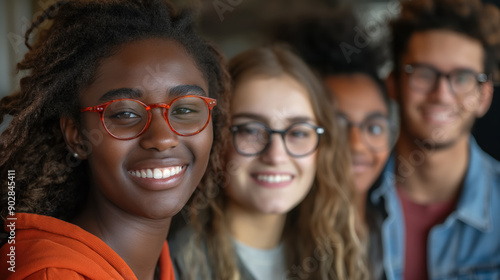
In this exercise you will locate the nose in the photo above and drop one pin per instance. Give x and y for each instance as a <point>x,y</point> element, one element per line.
<point>356,142</point>
<point>442,92</point>
<point>276,152</point>
<point>158,136</point>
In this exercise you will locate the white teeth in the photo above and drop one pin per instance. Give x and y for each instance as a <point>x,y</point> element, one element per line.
<point>274,178</point>
<point>157,173</point>
<point>166,173</point>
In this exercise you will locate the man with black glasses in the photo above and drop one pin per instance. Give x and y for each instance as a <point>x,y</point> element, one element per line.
<point>440,191</point>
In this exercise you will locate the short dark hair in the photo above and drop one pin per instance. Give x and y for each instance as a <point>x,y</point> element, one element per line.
<point>468,17</point>
<point>319,38</point>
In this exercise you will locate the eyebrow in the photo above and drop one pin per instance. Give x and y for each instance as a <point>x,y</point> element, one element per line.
<point>134,93</point>
<point>185,90</point>
<point>120,93</point>
<point>369,116</point>
<point>265,120</point>
<point>460,68</point>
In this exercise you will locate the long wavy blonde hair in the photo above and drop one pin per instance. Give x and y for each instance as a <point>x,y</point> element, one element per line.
<point>320,238</point>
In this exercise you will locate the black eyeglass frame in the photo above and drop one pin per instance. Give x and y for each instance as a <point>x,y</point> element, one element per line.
<point>481,78</point>
<point>318,129</point>
<point>392,129</point>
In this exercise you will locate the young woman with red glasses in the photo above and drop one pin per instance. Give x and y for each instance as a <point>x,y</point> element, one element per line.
<point>112,131</point>
<point>284,211</point>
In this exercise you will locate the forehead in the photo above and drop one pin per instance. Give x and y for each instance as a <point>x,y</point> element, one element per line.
<point>273,98</point>
<point>151,65</point>
<point>356,95</point>
<point>447,50</point>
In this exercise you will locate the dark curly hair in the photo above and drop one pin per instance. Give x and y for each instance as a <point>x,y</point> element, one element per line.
<point>468,17</point>
<point>319,36</point>
<point>61,64</point>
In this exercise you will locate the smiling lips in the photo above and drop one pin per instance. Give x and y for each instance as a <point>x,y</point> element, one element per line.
<point>272,180</point>
<point>360,164</point>
<point>437,115</point>
<point>157,173</point>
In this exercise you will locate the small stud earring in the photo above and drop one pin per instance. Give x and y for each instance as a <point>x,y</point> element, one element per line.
<point>75,155</point>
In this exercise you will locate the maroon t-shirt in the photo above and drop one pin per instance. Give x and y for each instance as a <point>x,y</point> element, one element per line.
<point>419,219</point>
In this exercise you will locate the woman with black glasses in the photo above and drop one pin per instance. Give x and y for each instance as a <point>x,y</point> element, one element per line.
<point>284,209</point>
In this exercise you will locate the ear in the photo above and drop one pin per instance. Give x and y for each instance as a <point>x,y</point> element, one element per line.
<point>73,137</point>
<point>390,83</point>
<point>485,99</point>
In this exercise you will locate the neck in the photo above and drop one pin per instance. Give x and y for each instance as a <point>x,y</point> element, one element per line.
<point>254,229</point>
<point>429,175</point>
<point>137,240</point>
<point>361,206</point>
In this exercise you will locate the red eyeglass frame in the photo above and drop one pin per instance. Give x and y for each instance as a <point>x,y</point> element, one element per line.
<point>211,103</point>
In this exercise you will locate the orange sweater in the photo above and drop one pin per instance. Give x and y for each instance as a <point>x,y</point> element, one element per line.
<point>49,248</point>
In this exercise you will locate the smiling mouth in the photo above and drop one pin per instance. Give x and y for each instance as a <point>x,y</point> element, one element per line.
<point>438,116</point>
<point>274,178</point>
<point>360,165</point>
<point>157,173</point>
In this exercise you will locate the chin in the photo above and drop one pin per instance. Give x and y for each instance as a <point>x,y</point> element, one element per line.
<point>362,187</point>
<point>161,214</point>
<point>276,208</point>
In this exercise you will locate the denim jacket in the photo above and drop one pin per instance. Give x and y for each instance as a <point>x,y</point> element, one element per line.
<point>467,244</point>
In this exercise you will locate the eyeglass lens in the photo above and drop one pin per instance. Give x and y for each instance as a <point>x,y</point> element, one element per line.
<point>128,118</point>
<point>425,78</point>
<point>253,138</point>
<point>375,131</point>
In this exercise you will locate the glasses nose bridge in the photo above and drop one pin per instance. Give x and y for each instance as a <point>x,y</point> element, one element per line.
<point>359,125</point>
<point>447,77</point>
<point>283,138</point>
<point>164,106</point>
<point>280,132</point>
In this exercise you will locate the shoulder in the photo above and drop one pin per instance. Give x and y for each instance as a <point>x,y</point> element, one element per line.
<point>180,239</point>
<point>51,273</point>
<point>189,254</point>
<point>491,167</point>
<point>60,247</point>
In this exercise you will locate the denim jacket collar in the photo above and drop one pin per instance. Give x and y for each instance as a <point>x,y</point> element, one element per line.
<point>472,208</point>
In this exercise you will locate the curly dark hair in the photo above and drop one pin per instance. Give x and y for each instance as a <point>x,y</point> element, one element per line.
<point>468,17</point>
<point>61,64</point>
<point>319,38</point>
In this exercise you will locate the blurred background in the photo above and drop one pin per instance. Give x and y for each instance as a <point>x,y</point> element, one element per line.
<point>233,25</point>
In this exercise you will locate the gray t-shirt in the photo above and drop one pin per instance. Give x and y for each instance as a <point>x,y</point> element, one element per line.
<point>263,264</point>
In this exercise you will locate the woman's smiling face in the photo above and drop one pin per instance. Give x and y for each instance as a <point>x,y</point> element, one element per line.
<point>272,182</point>
<point>151,71</point>
<point>359,100</point>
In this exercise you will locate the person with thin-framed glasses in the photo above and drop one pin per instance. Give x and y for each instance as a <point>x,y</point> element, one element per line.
<point>440,191</point>
<point>287,191</point>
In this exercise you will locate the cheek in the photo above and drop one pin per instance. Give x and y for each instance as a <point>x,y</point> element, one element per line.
<point>109,154</point>
<point>201,144</point>
<point>471,104</point>
<point>380,160</point>
<point>237,170</point>
<point>409,99</point>
<point>307,166</point>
